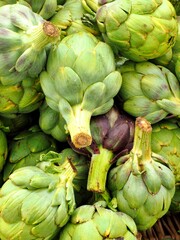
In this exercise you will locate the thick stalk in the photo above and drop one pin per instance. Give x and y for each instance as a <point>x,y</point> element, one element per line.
<point>141,151</point>
<point>79,127</point>
<point>39,36</point>
<point>99,167</point>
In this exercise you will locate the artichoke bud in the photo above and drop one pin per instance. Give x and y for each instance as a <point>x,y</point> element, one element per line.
<point>47,187</point>
<point>101,222</point>
<point>148,173</point>
<point>165,139</point>
<point>73,77</point>
<point>133,30</point>
<point>149,90</point>
<point>26,147</point>
<point>27,38</point>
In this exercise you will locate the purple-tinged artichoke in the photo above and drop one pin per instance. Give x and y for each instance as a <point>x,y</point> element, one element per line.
<point>112,135</point>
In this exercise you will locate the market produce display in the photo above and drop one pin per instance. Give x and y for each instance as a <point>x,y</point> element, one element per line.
<point>89,118</point>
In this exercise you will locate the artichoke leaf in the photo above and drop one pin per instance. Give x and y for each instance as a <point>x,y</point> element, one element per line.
<point>135,198</point>
<point>69,85</point>
<point>94,96</point>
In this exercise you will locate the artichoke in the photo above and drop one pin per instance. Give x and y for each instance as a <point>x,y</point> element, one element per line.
<point>165,141</point>
<point>137,29</point>
<point>25,148</point>
<point>23,97</point>
<point>98,222</point>
<point>80,81</point>
<point>36,201</point>
<point>149,90</point>
<point>52,123</point>
<point>141,181</point>
<point>45,8</point>
<point>112,135</point>
<point>69,19</point>
<point>24,42</point>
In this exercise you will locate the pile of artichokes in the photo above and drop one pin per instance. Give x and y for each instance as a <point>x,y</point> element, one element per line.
<point>89,118</point>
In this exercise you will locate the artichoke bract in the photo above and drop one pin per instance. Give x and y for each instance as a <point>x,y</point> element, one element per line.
<point>112,134</point>
<point>25,148</point>
<point>23,97</point>
<point>52,123</point>
<point>149,90</point>
<point>25,38</point>
<point>142,181</point>
<point>98,222</point>
<point>36,201</point>
<point>80,81</point>
<point>165,141</point>
<point>139,30</point>
<point>3,148</point>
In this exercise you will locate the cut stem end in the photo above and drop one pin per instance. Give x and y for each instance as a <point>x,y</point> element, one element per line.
<point>82,140</point>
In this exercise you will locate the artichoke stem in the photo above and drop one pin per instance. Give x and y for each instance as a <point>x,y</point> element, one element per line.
<point>79,128</point>
<point>142,141</point>
<point>99,167</point>
<point>67,170</point>
<point>43,34</point>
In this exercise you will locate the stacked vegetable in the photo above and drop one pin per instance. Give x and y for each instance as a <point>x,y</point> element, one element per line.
<point>89,117</point>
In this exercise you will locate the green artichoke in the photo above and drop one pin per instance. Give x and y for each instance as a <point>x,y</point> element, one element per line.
<point>23,97</point>
<point>137,29</point>
<point>80,81</point>
<point>98,222</point>
<point>142,182</point>
<point>36,201</point>
<point>112,135</point>
<point>25,148</point>
<point>45,8</point>
<point>69,19</point>
<point>149,90</point>
<point>165,141</point>
<point>24,42</point>
<point>52,123</point>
